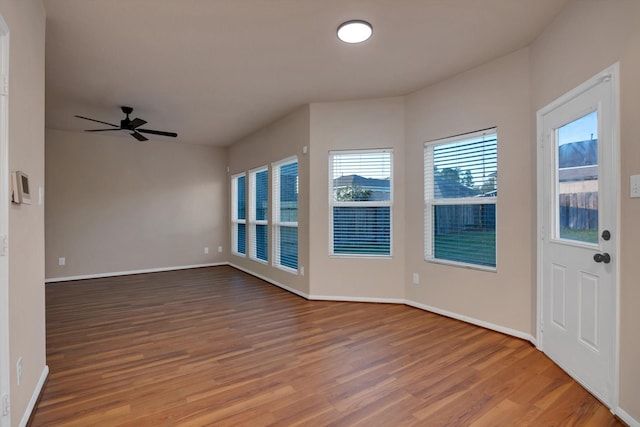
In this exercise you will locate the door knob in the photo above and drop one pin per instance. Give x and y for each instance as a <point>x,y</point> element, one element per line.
<point>603,257</point>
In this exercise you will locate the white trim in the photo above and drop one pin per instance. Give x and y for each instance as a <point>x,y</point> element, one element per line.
<point>276,204</point>
<point>430,201</point>
<point>463,136</point>
<point>615,153</point>
<point>273,282</point>
<point>466,319</point>
<point>624,416</point>
<point>487,325</point>
<point>356,299</point>
<point>34,397</point>
<point>290,159</point>
<point>234,214</point>
<point>129,272</point>
<point>5,354</point>
<point>360,204</point>
<point>610,73</point>
<point>251,221</point>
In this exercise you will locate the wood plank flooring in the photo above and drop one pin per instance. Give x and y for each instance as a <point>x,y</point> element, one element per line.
<point>217,347</point>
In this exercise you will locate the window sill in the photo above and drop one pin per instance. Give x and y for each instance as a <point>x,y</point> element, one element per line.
<point>358,256</point>
<point>287,269</point>
<point>463,265</point>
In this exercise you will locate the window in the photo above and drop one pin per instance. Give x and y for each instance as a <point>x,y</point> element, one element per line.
<point>460,190</point>
<point>285,214</point>
<point>258,214</point>
<point>239,214</point>
<point>361,198</point>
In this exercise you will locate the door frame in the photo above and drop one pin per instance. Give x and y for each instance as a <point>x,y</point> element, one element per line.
<point>612,74</point>
<point>5,369</point>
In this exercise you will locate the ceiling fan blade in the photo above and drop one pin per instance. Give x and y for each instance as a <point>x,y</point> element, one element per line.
<point>139,137</point>
<point>157,132</point>
<point>136,123</point>
<point>99,130</point>
<point>98,121</point>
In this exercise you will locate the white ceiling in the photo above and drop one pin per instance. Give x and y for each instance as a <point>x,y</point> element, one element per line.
<point>216,70</point>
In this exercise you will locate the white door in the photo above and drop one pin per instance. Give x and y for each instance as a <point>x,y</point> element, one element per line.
<point>577,207</point>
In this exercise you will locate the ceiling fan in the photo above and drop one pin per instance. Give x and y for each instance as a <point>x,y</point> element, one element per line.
<point>129,125</point>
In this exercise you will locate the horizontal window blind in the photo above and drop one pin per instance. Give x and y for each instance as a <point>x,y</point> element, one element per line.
<point>361,194</point>
<point>258,215</point>
<point>460,199</point>
<point>287,247</point>
<point>285,216</point>
<point>362,230</point>
<point>238,214</point>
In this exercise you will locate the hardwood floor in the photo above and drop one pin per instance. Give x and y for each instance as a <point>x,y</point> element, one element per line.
<point>215,346</point>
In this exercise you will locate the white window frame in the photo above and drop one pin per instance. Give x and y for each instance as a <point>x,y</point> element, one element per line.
<point>430,201</point>
<point>275,216</point>
<point>252,221</point>
<point>234,214</point>
<point>381,203</point>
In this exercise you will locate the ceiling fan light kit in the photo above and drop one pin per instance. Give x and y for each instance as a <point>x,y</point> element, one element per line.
<point>129,125</point>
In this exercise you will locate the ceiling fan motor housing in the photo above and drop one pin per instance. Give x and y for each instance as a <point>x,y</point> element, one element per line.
<point>126,122</point>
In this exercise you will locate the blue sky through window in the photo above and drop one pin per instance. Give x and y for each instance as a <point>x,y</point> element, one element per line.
<point>583,129</point>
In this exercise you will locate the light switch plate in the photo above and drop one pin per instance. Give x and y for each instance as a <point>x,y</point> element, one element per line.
<point>635,186</point>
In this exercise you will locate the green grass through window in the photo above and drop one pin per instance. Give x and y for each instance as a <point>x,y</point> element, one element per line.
<point>471,247</point>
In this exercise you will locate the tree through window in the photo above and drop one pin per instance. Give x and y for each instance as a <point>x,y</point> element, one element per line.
<point>460,199</point>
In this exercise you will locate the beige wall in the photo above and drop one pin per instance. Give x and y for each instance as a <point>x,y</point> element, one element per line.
<point>277,141</point>
<point>587,37</point>
<point>26,21</point>
<point>377,123</point>
<point>496,94</point>
<point>116,205</point>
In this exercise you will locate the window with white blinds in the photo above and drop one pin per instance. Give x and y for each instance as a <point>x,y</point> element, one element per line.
<point>285,214</point>
<point>361,198</point>
<point>238,215</point>
<point>258,214</point>
<point>460,192</point>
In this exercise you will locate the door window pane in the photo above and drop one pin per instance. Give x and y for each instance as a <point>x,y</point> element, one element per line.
<point>577,180</point>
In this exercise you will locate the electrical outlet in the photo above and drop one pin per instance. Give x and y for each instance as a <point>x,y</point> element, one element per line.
<point>635,186</point>
<point>416,279</point>
<point>206,250</point>
<point>302,271</point>
<point>62,261</point>
<point>19,370</point>
<point>219,249</point>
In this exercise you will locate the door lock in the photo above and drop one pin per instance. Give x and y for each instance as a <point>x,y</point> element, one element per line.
<point>603,257</point>
<point>606,235</point>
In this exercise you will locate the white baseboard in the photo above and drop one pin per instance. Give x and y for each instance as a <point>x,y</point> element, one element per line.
<point>34,397</point>
<point>273,282</point>
<point>473,321</point>
<point>624,416</point>
<point>356,299</point>
<point>126,273</point>
<point>498,328</point>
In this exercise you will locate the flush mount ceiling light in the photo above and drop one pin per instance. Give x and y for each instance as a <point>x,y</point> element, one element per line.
<point>354,31</point>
